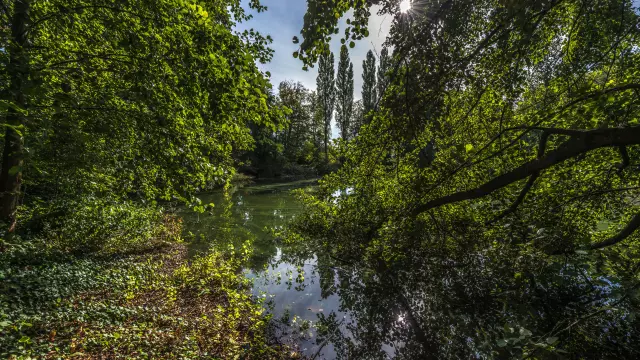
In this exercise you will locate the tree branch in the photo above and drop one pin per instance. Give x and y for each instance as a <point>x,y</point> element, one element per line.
<point>631,227</point>
<point>528,129</point>
<point>532,179</point>
<point>519,200</point>
<point>583,142</point>
<point>625,158</point>
<point>80,8</point>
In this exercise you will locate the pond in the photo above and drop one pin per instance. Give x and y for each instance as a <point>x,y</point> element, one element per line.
<point>288,283</point>
<point>422,304</point>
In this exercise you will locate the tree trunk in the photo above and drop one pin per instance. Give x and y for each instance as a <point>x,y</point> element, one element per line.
<point>326,147</point>
<point>287,141</point>
<point>13,154</point>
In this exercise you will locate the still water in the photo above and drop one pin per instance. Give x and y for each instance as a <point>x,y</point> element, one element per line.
<point>427,302</point>
<point>288,283</point>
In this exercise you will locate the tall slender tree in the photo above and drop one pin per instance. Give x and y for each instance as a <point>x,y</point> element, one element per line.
<point>326,88</point>
<point>383,68</point>
<point>344,93</point>
<point>369,93</point>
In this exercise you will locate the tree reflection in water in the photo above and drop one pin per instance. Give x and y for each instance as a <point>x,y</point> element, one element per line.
<point>421,301</point>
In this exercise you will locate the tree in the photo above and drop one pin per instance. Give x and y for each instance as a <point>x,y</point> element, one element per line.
<point>383,69</point>
<point>267,152</point>
<point>13,153</point>
<point>344,94</point>
<point>369,94</point>
<point>503,162</point>
<point>317,125</point>
<point>137,100</point>
<point>357,117</point>
<point>294,96</point>
<point>326,95</point>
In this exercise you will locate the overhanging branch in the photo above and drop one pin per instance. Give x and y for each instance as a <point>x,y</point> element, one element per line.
<point>631,227</point>
<point>532,179</point>
<point>625,158</point>
<point>582,142</point>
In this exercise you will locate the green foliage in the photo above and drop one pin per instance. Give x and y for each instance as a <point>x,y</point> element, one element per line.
<point>369,92</point>
<point>357,117</point>
<point>321,22</point>
<point>383,72</point>
<point>492,199</point>
<point>148,304</point>
<point>325,87</point>
<point>344,94</point>
<point>138,99</point>
<point>293,150</point>
<point>295,97</point>
<point>95,225</point>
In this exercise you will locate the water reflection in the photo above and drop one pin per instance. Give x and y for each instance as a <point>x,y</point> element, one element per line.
<point>244,213</point>
<point>299,291</point>
<point>427,302</point>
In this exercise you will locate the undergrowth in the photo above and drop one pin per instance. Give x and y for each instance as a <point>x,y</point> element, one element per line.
<point>149,301</point>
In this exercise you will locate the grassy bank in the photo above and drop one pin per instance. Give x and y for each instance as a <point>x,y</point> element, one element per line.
<point>150,301</point>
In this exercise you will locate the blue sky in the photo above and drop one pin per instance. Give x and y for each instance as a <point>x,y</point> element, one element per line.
<point>284,19</point>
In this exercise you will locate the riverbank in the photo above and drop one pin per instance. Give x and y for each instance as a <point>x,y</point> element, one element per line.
<point>151,302</point>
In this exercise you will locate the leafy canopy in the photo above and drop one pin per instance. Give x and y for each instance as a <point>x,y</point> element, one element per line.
<point>498,179</point>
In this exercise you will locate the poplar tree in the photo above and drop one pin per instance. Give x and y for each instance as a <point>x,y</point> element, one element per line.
<point>325,84</point>
<point>383,68</point>
<point>344,93</point>
<point>369,96</point>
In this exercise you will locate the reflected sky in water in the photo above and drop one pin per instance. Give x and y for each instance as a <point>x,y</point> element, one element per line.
<point>288,284</point>
<point>427,302</point>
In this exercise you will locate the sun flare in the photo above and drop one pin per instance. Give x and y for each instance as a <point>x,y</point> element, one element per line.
<point>405,5</point>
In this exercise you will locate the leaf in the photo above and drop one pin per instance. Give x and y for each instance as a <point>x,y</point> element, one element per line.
<point>352,44</point>
<point>24,339</point>
<point>502,343</point>
<point>525,332</point>
<point>295,54</point>
<point>552,340</point>
<point>14,170</point>
<point>296,40</point>
<point>468,147</point>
